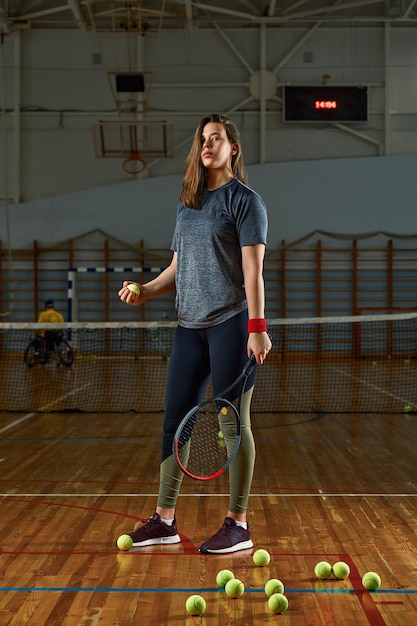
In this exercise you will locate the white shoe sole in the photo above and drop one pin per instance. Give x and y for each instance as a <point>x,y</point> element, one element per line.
<point>244,545</point>
<point>158,541</point>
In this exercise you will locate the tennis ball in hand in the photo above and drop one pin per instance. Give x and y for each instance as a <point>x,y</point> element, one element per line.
<point>371,581</point>
<point>278,603</point>
<point>323,570</point>
<point>261,557</point>
<point>195,605</point>
<point>134,288</point>
<point>223,577</point>
<point>274,585</point>
<point>341,570</point>
<point>124,542</point>
<point>234,588</point>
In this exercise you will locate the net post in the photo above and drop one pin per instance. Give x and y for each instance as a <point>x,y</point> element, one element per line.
<point>319,297</point>
<point>283,259</point>
<point>70,299</point>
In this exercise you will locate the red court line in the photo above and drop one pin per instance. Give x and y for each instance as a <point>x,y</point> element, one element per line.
<point>369,606</point>
<point>77,506</point>
<point>364,596</point>
<point>389,602</point>
<point>189,547</point>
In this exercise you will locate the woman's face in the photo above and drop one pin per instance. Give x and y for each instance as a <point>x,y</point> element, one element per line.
<point>216,149</point>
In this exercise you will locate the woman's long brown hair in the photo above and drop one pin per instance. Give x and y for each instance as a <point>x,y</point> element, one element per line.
<point>194,181</point>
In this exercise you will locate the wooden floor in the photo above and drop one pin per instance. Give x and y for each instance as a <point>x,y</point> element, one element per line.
<point>326,487</point>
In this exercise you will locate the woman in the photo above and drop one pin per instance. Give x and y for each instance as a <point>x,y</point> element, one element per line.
<point>217,270</point>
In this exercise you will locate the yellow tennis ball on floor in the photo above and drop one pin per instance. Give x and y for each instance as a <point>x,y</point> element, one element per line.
<point>220,435</point>
<point>323,570</point>
<point>261,557</point>
<point>134,288</point>
<point>278,603</point>
<point>124,542</point>
<point>223,577</point>
<point>274,585</point>
<point>341,570</point>
<point>234,588</point>
<point>195,605</point>
<point>371,581</point>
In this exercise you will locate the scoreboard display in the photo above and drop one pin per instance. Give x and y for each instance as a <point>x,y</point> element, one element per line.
<point>325,103</point>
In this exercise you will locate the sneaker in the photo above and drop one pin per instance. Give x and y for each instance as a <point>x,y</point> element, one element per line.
<point>230,538</point>
<point>155,532</point>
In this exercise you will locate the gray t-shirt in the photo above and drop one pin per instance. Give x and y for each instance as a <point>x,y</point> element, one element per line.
<point>208,242</point>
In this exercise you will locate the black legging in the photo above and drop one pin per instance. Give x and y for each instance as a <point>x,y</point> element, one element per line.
<point>219,351</point>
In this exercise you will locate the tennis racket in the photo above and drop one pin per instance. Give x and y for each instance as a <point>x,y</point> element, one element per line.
<point>208,437</point>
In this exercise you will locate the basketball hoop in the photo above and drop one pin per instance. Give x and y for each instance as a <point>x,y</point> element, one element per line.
<point>134,164</point>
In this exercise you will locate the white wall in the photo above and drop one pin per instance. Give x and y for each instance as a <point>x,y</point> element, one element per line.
<point>62,93</point>
<point>348,196</point>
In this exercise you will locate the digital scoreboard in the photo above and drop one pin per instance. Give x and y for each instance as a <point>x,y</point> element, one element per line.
<point>325,103</point>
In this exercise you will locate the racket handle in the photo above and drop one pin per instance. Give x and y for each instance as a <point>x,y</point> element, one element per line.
<point>250,364</point>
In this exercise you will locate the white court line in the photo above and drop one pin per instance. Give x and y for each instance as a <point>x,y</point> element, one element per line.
<point>18,421</point>
<point>208,495</point>
<point>374,387</point>
<point>42,408</point>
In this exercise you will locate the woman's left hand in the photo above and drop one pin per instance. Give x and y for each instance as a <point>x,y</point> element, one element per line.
<point>259,344</point>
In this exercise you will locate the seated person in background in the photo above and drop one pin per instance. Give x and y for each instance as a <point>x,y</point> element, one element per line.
<point>50,316</point>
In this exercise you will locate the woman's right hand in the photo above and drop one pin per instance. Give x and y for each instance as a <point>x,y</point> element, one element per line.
<point>129,296</point>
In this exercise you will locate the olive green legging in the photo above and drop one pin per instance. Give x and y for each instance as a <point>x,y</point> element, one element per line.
<point>240,470</point>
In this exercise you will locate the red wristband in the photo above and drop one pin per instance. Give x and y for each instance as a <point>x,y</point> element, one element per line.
<point>257,325</point>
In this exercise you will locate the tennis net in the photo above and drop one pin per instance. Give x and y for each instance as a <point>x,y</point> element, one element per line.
<point>356,364</point>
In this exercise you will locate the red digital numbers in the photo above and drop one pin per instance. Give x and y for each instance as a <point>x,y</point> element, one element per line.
<point>325,104</point>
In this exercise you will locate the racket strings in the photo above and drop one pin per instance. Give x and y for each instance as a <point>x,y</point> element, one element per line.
<point>208,437</point>
<point>207,440</point>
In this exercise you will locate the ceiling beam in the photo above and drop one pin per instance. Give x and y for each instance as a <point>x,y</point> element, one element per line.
<point>189,14</point>
<point>334,8</point>
<point>76,11</point>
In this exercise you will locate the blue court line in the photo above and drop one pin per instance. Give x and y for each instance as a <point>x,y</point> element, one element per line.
<point>194,590</point>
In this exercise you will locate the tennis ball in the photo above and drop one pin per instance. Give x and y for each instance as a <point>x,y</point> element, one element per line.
<point>195,605</point>
<point>407,361</point>
<point>371,581</point>
<point>234,588</point>
<point>274,585</point>
<point>134,288</point>
<point>220,435</point>
<point>261,557</point>
<point>408,408</point>
<point>278,603</point>
<point>223,577</point>
<point>341,570</point>
<point>323,570</point>
<point>124,542</point>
